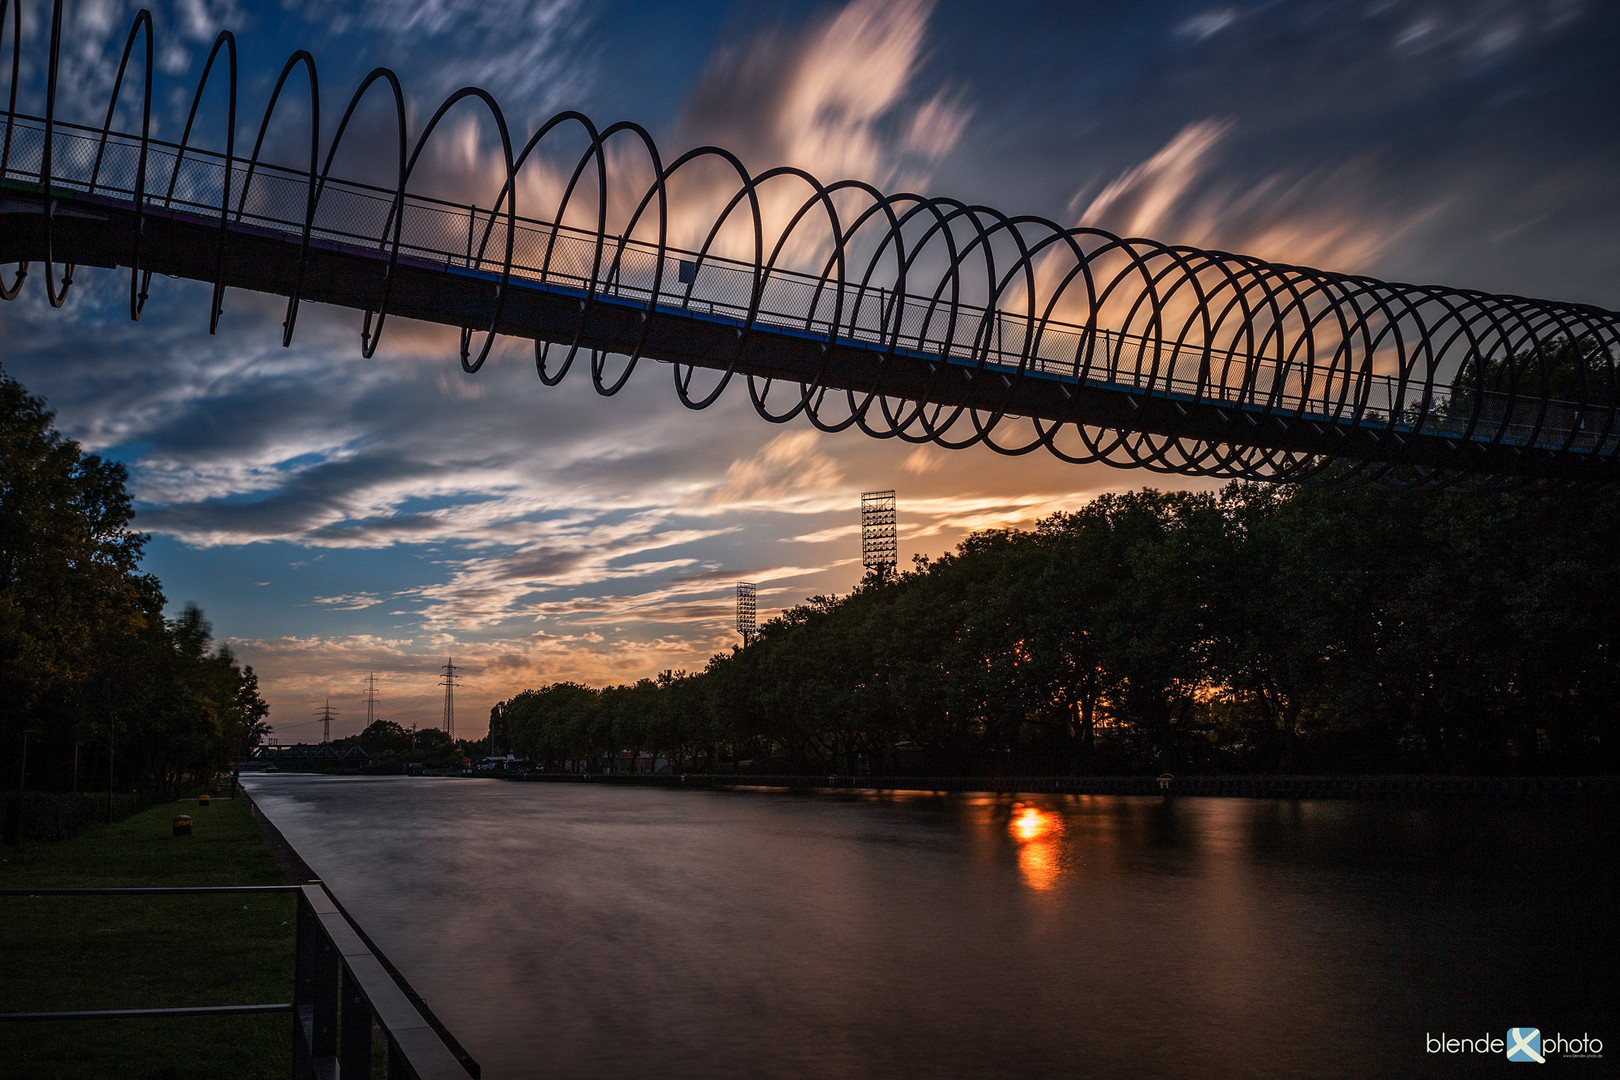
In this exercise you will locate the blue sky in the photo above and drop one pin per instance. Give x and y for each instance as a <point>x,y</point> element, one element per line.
<point>336,516</point>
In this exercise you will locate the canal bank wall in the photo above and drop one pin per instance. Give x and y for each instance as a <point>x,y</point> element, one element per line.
<point>299,872</point>
<point>1529,790</point>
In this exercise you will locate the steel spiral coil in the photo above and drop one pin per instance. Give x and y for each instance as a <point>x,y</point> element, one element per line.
<point>1010,299</point>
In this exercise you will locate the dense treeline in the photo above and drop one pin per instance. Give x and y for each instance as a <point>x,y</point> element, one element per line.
<point>392,748</point>
<point>1257,629</point>
<point>91,673</point>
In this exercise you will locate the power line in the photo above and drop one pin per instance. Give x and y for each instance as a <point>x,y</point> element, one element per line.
<point>448,680</point>
<point>370,696</point>
<point>324,714</point>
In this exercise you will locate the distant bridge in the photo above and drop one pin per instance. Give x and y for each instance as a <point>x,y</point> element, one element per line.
<point>919,318</point>
<point>314,755</point>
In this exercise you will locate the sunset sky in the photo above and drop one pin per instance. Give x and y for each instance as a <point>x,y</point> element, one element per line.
<point>335,516</point>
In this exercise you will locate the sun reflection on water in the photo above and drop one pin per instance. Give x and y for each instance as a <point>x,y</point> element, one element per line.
<point>1039,834</point>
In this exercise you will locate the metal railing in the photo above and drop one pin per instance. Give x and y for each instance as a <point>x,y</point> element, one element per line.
<point>342,987</point>
<point>1345,388</point>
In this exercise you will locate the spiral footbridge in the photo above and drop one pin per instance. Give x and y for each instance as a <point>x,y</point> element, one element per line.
<point>919,318</point>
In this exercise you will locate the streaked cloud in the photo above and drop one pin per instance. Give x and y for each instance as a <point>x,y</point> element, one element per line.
<point>1144,200</point>
<point>1207,24</point>
<point>528,52</point>
<point>1314,218</point>
<point>828,98</point>
<point>351,602</point>
<point>785,470</point>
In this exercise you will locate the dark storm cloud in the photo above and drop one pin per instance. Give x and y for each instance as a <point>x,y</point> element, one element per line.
<point>235,421</point>
<point>304,506</point>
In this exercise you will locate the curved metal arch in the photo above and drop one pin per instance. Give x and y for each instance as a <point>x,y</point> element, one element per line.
<point>812,394</point>
<point>749,192</point>
<point>597,153</point>
<point>226,41</point>
<point>56,299</point>
<point>603,387</point>
<point>9,292</point>
<point>511,209</point>
<point>968,216</point>
<point>369,339</point>
<point>884,205</point>
<point>301,56</point>
<point>836,261</point>
<point>142,21</point>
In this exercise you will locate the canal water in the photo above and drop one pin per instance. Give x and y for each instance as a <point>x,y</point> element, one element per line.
<point>571,930</point>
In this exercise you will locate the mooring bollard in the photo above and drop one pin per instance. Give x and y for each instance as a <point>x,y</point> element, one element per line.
<point>182,825</point>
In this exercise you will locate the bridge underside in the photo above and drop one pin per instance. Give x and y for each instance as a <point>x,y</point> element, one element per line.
<point>93,231</point>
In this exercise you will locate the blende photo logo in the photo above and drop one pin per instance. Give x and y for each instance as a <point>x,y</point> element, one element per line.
<point>1522,1044</point>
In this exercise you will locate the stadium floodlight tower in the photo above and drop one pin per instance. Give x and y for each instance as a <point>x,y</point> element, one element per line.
<point>879,533</point>
<point>746,611</point>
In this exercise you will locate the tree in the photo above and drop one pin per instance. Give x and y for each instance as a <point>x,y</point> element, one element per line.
<point>86,656</point>
<point>71,596</point>
<point>385,737</point>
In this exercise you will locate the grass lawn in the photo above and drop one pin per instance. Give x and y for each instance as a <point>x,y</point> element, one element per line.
<point>63,952</point>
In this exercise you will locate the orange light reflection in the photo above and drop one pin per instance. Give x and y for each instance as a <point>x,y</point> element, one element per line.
<point>1030,824</point>
<point>1038,833</point>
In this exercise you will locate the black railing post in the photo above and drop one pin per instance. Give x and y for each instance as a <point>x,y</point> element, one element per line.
<point>397,1068</point>
<point>354,1049</point>
<point>303,1066</point>
<point>324,1034</point>
<point>315,992</point>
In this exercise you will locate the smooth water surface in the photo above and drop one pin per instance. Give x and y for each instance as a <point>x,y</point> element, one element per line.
<point>576,930</point>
